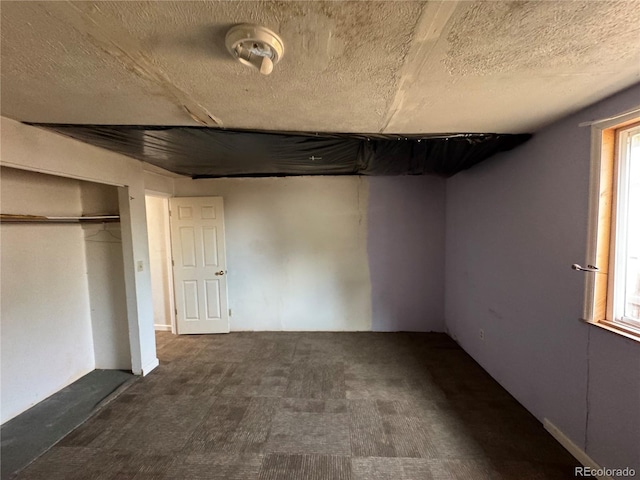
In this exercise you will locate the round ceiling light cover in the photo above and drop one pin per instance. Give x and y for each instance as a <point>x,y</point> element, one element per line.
<point>255,45</point>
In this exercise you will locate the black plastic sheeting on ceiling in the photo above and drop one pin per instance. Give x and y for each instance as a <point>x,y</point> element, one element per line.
<point>201,152</point>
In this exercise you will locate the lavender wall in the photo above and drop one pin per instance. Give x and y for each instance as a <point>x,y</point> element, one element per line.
<point>405,242</point>
<point>514,226</point>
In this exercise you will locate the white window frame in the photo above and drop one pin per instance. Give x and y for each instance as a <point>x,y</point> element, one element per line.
<point>598,286</point>
<point>615,307</point>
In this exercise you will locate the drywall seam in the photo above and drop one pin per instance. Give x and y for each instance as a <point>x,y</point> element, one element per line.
<point>363,198</point>
<point>572,448</point>
<point>117,43</point>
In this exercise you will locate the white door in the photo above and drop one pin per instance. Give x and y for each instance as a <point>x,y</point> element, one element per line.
<point>199,265</point>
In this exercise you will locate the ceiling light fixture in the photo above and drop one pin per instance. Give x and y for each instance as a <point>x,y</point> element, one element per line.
<point>255,45</point>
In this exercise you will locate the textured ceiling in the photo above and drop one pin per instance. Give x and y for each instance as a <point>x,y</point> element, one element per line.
<point>405,67</point>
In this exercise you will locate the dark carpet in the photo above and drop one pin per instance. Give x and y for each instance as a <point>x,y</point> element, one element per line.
<point>317,406</point>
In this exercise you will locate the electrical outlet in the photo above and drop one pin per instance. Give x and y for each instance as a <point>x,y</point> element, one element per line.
<point>140,265</point>
<point>229,312</point>
<point>481,334</point>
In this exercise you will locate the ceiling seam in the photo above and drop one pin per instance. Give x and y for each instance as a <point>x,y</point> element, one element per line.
<point>427,34</point>
<point>127,52</point>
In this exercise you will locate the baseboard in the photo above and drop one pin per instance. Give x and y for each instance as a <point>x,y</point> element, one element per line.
<point>162,328</point>
<point>150,366</point>
<point>572,448</point>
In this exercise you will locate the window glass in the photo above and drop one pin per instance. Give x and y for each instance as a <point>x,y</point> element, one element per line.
<point>628,242</point>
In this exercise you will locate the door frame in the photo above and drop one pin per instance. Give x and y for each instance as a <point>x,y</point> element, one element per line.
<point>168,259</point>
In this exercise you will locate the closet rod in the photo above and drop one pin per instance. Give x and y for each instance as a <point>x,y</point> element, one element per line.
<point>10,218</point>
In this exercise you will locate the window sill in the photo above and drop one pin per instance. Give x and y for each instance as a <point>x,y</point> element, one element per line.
<point>615,328</point>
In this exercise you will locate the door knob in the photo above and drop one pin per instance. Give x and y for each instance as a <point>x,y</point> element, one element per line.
<point>588,268</point>
<point>221,272</point>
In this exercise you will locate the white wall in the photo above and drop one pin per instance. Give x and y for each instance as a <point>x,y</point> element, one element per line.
<point>296,251</point>
<point>35,149</point>
<point>105,277</point>
<point>515,224</point>
<point>107,296</point>
<point>332,253</point>
<point>45,312</point>
<point>161,275</point>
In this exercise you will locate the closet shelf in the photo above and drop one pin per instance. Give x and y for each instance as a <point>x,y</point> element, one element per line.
<point>10,218</point>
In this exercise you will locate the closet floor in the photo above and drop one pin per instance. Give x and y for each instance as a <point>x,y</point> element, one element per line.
<point>27,436</point>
